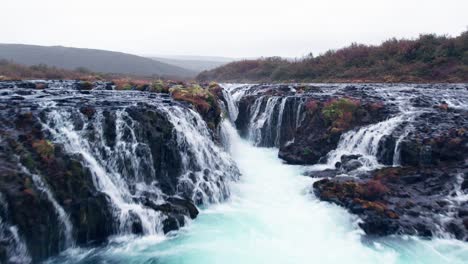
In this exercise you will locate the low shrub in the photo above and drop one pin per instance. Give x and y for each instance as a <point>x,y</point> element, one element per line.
<point>340,112</point>
<point>44,148</point>
<point>201,98</point>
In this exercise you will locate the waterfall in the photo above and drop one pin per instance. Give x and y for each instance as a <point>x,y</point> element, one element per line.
<point>107,179</point>
<point>280,121</point>
<point>231,105</point>
<point>253,217</point>
<point>396,155</point>
<point>259,119</point>
<point>299,113</point>
<point>66,229</point>
<point>16,250</point>
<point>125,172</point>
<point>236,91</point>
<point>207,168</point>
<point>266,118</point>
<point>365,142</point>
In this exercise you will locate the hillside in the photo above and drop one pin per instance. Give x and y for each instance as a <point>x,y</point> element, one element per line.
<point>14,71</point>
<point>429,58</point>
<point>91,59</point>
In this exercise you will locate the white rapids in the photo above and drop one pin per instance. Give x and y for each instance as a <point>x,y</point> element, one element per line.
<point>271,217</point>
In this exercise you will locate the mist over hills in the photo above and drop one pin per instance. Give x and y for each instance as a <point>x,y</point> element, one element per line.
<point>197,64</point>
<point>92,59</point>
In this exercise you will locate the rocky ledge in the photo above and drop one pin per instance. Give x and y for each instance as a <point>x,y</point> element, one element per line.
<point>416,201</point>
<point>49,182</point>
<point>426,196</point>
<point>396,155</point>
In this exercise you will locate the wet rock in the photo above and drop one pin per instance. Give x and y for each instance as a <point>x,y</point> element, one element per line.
<point>351,165</point>
<point>323,126</point>
<point>328,173</point>
<point>107,123</point>
<point>26,85</point>
<point>401,200</point>
<point>386,150</point>
<point>175,210</point>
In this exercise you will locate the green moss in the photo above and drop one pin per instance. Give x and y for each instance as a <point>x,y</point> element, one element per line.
<point>203,101</point>
<point>44,148</point>
<point>213,85</point>
<point>335,109</point>
<point>339,113</point>
<point>159,87</point>
<point>87,85</point>
<point>127,86</point>
<point>201,98</point>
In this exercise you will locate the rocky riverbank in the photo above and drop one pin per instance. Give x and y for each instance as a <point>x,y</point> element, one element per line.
<point>396,155</point>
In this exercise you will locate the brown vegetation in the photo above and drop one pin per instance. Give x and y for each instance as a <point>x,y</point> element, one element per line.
<point>430,58</point>
<point>13,71</point>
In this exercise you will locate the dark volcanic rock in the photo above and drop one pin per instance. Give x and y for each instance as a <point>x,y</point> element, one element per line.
<point>175,210</point>
<point>127,135</point>
<point>426,132</point>
<point>329,173</point>
<point>403,200</point>
<point>323,125</point>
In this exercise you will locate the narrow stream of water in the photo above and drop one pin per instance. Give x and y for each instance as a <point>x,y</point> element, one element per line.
<point>271,217</point>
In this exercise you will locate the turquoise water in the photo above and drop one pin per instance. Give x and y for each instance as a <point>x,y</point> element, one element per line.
<point>272,217</point>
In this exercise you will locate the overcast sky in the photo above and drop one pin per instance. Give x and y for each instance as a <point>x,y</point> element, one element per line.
<point>239,28</point>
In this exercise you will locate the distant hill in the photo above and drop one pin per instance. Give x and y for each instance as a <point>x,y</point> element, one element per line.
<point>430,58</point>
<point>94,60</point>
<point>197,58</point>
<point>198,65</point>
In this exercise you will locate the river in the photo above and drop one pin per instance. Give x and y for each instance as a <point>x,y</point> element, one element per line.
<point>271,217</point>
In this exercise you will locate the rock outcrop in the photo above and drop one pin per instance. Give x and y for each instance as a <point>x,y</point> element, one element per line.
<point>92,162</point>
<point>396,155</point>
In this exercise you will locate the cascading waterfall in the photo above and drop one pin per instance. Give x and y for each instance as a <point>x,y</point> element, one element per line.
<point>66,227</point>
<point>396,155</point>
<point>254,206</point>
<point>299,113</point>
<point>280,120</point>
<point>106,178</point>
<point>364,142</point>
<point>266,114</point>
<point>16,250</point>
<point>118,171</point>
<point>231,105</point>
<point>254,217</point>
<point>265,127</point>
<point>259,118</point>
<point>208,169</point>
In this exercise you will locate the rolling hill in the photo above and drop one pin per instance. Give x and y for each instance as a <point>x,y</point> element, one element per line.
<point>429,58</point>
<point>94,60</point>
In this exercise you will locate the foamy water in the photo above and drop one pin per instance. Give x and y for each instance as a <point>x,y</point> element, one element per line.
<point>271,217</point>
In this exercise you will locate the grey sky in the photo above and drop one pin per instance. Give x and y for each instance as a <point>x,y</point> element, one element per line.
<point>240,28</point>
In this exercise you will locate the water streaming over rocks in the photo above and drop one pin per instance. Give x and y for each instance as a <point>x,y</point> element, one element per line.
<point>105,165</point>
<point>65,227</point>
<point>356,131</point>
<point>15,250</point>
